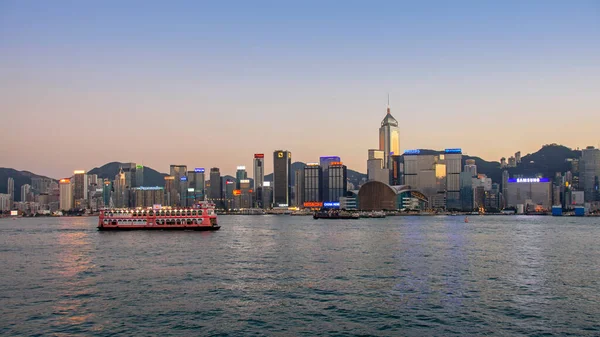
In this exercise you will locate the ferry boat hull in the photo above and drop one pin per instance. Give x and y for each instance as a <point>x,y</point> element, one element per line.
<point>160,228</point>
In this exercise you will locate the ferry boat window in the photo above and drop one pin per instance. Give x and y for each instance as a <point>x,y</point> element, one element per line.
<point>178,213</point>
<point>194,213</point>
<point>150,212</point>
<point>189,212</point>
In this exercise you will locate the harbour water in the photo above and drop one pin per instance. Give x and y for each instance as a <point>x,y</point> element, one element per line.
<point>283,275</point>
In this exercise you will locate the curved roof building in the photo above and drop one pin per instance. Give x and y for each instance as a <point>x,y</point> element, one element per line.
<point>378,196</point>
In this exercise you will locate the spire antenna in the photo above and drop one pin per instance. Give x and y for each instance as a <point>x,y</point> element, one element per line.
<point>388,105</point>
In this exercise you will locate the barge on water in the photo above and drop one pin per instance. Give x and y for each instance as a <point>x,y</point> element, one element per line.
<point>200,218</point>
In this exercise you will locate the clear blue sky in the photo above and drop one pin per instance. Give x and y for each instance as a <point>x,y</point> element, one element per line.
<point>210,83</point>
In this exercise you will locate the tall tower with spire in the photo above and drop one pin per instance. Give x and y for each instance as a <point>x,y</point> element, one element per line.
<point>389,137</point>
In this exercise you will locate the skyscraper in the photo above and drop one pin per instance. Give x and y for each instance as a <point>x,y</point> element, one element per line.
<point>259,170</point>
<point>10,189</point>
<point>177,171</point>
<point>336,182</point>
<point>216,187</point>
<point>80,189</point>
<point>107,192</point>
<point>453,159</point>
<point>139,175</point>
<point>397,170</point>
<point>590,173</point>
<point>259,178</point>
<point>66,194</point>
<point>313,193</point>
<point>121,195</point>
<point>25,190</point>
<point>299,187</point>
<point>199,183</point>
<point>240,175</point>
<point>470,167</point>
<point>282,166</point>
<point>389,137</point>
<point>170,190</point>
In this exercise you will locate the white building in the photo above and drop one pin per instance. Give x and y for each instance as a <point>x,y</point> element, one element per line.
<point>529,192</point>
<point>5,202</point>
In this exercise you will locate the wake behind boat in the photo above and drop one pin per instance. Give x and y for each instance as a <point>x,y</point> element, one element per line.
<point>325,213</point>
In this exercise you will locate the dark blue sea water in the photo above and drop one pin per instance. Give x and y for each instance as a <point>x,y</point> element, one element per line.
<point>284,275</point>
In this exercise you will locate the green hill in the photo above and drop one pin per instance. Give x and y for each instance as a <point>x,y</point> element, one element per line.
<point>110,170</point>
<point>21,178</point>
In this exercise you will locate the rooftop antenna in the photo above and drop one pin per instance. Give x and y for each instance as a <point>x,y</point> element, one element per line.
<point>388,105</point>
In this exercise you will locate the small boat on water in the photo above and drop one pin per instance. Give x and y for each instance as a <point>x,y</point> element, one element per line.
<point>200,218</point>
<point>325,213</point>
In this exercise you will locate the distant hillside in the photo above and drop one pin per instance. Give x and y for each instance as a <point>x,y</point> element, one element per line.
<point>21,178</point>
<point>547,161</point>
<point>353,176</point>
<point>110,170</point>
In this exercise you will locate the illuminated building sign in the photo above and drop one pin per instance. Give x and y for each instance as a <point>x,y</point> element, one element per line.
<point>139,166</point>
<point>313,204</point>
<point>279,154</point>
<point>156,207</point>
<point>183,178</point>
<point>191,189</point>
<point>79,172</point>
<point>330,158</point>
<point>331,204</point>
<point>312,164</point>
<point>169,178</point>
<point>199,170</point>
<point>336,163</point>
<point>266,184</point>
<point>65,180</point>
<point>259,155</point>
<point>149,188</point>
<point>243,181</point>
<point>412,151</point>
<point>453,151</point>
<point>528,180</point>
<point>282,205</point>
<point>241,167</point>
<point>237,192</point>
<point>229,182</point>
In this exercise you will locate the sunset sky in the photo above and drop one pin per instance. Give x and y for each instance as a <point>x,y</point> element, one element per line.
<point>208,84</point>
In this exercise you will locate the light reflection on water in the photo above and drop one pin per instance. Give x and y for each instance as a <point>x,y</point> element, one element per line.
<point>295,275</point>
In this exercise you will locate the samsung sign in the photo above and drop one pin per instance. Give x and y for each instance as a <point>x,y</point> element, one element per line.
<point>331,204</point>
<point>528,180</point>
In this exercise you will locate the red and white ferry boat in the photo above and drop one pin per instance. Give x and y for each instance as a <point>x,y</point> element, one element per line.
<point>200,218</point>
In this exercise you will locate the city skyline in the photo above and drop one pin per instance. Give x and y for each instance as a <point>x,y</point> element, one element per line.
<point>88,83</point>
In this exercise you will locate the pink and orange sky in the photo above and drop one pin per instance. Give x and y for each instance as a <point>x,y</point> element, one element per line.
<point>209,85</point>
